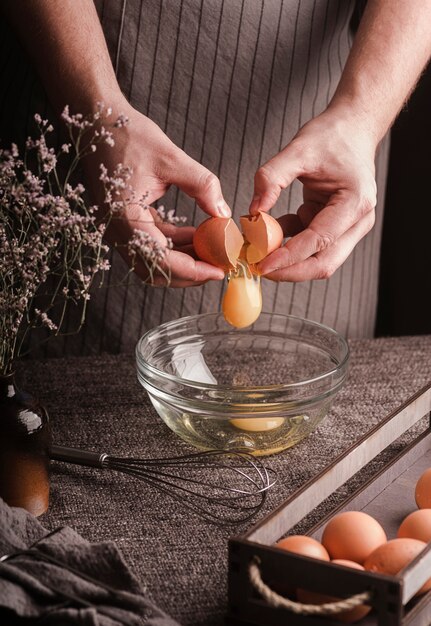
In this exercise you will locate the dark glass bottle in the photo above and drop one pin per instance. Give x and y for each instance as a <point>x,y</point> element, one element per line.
<point>24,449</point>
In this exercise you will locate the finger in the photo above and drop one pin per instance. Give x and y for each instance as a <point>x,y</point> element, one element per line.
<point>342,212</point>
<point>188,249</point>
<point>294,223</point>
<point>199,183</point>
<point>290,224</point>
<point>132,216</point>
<point>178,267</point>
<point>307,212</point>
<point>323,264</point>
<point>275,175</point>
<point>160,281</point>
<point>180,235</point>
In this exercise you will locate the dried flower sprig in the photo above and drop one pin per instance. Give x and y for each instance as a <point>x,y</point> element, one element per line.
<point>51,237</point>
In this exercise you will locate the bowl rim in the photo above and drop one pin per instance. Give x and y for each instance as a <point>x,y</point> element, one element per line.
<point>141,363</point>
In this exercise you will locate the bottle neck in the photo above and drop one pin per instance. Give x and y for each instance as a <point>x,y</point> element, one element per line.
<point>7,386</point>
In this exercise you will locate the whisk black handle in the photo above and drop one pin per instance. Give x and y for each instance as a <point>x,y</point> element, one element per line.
<point>79,457</point>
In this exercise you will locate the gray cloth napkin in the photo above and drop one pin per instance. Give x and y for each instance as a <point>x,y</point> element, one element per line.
<point>60,578</point>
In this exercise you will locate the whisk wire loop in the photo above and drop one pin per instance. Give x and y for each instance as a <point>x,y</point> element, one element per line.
<point>234,493</point>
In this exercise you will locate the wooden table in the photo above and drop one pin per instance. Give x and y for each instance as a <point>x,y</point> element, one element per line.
<point>97,403</point>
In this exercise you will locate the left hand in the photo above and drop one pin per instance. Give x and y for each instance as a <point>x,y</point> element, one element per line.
<point>333,157</point>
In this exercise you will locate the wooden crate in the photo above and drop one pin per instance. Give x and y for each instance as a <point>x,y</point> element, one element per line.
<point>388,496</point>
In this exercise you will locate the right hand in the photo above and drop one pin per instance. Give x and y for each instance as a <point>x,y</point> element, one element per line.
<point>333,157</point>
<point>158,163</point>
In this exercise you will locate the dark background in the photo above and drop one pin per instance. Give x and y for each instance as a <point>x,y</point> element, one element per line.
<point>405,271</point>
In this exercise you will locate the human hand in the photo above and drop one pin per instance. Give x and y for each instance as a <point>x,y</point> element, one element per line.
<point>157,163</point>
<point>334,160</point>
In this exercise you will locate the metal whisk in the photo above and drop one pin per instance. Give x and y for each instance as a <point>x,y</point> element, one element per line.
<point>227,487</point>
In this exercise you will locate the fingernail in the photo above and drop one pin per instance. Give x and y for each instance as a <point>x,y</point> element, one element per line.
<point>223,209</point>
<point>218,275</point>
<point>254,207</point>
<point>266,269</point>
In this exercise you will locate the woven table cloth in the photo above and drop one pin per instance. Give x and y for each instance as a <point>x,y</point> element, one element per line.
<point>96,403</point>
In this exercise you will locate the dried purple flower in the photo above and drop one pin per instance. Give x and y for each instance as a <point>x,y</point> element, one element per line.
<point>51,241</point>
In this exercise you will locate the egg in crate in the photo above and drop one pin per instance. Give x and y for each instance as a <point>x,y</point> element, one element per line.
<point>417,525</point>
<point>352,535</point>
<point>423,490</point>
<point>393,556</point>
<point>302,544</point>
<point>305,546</point>
<point>348,617</point>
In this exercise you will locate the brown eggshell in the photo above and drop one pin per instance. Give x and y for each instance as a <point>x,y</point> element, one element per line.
<point>347,617</point>
<point>301,544</point>
<point>352,535</point>
<point>423,490</point>
<point>392,556</point>
<point>218,241</point>
<point>417,525</point>
<point>263,234</point>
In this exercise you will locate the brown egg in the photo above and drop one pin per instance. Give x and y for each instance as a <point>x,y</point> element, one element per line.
<point>352,535</point>
<point>417,525</point>
<point>423,490</point>
<point>263,234</point>
<point>301,544</point>
<point>347,617</point>
<point>218,241</point>
<point>392,556</point>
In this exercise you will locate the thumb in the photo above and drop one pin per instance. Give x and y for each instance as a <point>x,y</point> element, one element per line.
<point>199,183</point>
<point>275,175</point>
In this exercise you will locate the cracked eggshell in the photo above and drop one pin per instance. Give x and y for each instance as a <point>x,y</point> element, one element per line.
<point>218,241</point>
<point>263,234</point>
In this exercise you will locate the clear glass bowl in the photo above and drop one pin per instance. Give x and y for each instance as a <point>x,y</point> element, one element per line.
<point>261,388</point>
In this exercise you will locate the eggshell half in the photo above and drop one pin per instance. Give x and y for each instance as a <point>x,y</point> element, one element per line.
<point>263,234</point>
<point>347,617</point>
<point>218,241</point>
<point>392,556</point>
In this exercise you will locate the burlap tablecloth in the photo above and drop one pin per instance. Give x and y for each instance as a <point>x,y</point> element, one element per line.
<point>97,403</point>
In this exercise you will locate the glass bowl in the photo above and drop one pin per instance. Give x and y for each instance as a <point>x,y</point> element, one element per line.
<point>261,388</point>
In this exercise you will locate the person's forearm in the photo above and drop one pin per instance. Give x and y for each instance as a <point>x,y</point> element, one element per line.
<point>66,44</point>
<point>391,49</point>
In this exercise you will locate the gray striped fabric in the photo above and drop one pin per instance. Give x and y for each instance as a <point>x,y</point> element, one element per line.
<point>231,82</point>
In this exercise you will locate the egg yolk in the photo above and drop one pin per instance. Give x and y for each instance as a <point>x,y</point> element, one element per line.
<point>257,424</point>
<point>242,301</point>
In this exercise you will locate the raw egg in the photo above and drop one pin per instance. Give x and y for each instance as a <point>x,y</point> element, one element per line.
<point>347,617</point>
<point>219,241</point>
<point>392,556</point>
<point>352,535</point>
<point>417,525</point>
<point>423,490</point>
<point>307,546</point>
<point>242,300</point>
